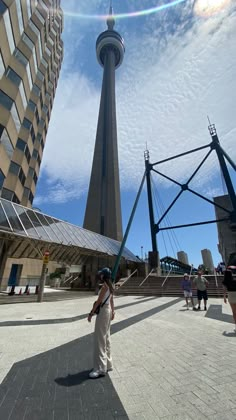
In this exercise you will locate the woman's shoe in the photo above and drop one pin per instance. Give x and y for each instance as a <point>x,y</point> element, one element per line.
<point>96,374</point>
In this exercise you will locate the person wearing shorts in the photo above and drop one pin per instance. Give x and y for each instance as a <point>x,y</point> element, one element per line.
<point>201,284</point>
<point>229,285</point>
<point>187,289</point>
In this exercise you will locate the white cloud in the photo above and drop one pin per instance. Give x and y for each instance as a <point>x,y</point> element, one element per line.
<point>166,87</point>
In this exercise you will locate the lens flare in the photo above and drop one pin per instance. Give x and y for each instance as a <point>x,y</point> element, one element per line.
<point>206,8</point>
<point>127,15</point>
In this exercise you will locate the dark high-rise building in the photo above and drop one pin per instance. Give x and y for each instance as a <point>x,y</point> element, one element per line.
<point>31,53</point>
<point>103,210</point>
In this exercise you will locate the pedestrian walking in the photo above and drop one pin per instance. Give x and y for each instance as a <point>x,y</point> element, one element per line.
<point>187,289</point>
<point>201,284</point>
<point>229,286</point>
<point>104,309</point>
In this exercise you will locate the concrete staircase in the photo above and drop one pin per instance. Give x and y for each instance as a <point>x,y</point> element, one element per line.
<point>172,286</point>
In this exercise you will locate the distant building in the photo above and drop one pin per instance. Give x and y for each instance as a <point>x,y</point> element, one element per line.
<point>31,53</point>
<point>226,231</point>
<point>183,257</point>
<point>207,260</point>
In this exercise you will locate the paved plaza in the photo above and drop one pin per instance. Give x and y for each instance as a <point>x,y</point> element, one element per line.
<point>169,363</point>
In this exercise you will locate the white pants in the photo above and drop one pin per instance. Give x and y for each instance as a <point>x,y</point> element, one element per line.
<point>102,345</point>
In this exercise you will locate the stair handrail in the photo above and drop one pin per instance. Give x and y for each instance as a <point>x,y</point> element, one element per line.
<point>128,278</point>
<point>73,279</point>
<point>146,277</point>
<point>65,281</point>
<point>166,277</point>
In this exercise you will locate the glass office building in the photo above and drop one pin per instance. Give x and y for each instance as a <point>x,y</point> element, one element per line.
<point>31,53</point>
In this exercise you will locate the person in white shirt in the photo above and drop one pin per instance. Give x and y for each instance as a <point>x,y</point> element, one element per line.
<point>104,308</point>
<point>201,284</point>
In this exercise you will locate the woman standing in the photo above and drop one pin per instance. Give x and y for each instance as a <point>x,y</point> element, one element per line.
<point>229,285</point>
<point>102,346</point>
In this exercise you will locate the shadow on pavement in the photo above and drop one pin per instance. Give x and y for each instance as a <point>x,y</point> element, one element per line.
<point>229,334</point>
<point>54,385</point>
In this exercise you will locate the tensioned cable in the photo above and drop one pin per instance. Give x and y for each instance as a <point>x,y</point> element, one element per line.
<point>166,221</point>
<point>158,214</point>
<point>169,223</point>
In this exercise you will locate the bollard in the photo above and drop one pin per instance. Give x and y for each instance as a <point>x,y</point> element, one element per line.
<point>37,290</point>
<point>26,289</point>
<point>12,291</point>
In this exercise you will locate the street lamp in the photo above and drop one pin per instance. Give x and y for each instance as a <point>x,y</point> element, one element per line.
<point>141,252</point>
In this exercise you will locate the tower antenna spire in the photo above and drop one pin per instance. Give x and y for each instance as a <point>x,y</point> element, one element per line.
<point>110,18</point>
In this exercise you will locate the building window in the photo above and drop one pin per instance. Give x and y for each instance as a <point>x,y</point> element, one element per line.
<point>31,197</point>
<point>36,90</point>
<point>15,199</point>
<point>3,7</point>
<point>27,154</point>
<point>39,16</point>
<point>44,62</point>
<point>45,109</point>
<point>2,66</point>
<point>22,177</point>
<point>35,60</point>
<point>42,144</point>
<point>35,178</point>
<point>7,194</point>
<point>28,8</point>
<point>5,140</point>
<point>41,123</point>
<point>14,168</point>
<point>32,132</point>
<point>28,41</point>
<point>40,76</point>
<point>37,116</point>
<point>2,179</point>
<point>15,116</point>
<point>13,76</point>
<point>19,15</point>
<point>35,154</point>
<point>27,124</point>
<point>5,101</point>
<point>31,172</point>
<point>23,95</point>
<point>20,57</point>
<point>32,105</point>
<point>29,76</point>
<point>21,145</point>
<point>33,27</point>
<point>9,31</point>
<point>48,51</point>
<point>43,6</point>
<point>28,194</point>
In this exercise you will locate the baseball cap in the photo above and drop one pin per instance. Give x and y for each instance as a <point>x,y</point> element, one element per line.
<point>106,271</point>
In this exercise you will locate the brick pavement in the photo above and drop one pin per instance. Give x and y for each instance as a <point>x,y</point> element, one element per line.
<point>169,363</point>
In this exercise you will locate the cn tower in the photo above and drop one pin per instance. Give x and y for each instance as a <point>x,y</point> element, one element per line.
<point>103,209</point>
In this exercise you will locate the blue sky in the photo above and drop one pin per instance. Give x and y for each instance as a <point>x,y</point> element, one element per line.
<point>179,67</point>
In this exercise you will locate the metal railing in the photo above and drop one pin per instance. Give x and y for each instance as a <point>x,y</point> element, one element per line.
<point>135,271</point>
<point>152,270</point>
<point>66,281</point>
<point>166,277</point>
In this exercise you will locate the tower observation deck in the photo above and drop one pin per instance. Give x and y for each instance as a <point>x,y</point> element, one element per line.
<point>103,209</point>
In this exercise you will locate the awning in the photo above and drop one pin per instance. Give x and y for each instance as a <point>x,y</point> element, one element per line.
<point>27,233</point>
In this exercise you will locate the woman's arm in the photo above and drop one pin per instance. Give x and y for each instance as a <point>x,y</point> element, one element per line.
<point>98,301</point>
<point>112,307</point>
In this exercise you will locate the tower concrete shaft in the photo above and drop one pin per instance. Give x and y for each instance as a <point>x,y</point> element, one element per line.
<point>103,209</point>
